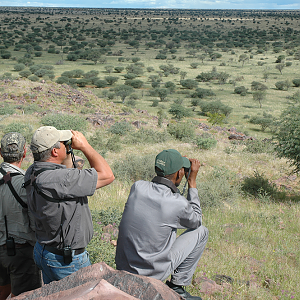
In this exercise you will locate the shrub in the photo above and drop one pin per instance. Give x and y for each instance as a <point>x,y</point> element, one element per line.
<point>5,54</point>
<point>25,73</point>
<point>33,78</point>
<point>283,85</point>
<point>147,136</point>
<point>135,83</point>
<point>218,186</point>
<point>6,109</point>
<point>25,129</point>
<point>63,80</point>
<point>259,185</point>
<point>114,144</point>
<point>101,83</point>
<point>19,67</point>
<point>205,142</point>
<point>65,121</point>
<point>82,82</point>
<point>241,90</point>
<point>258,146</point>
<point>215,107</point>
<point>134,168</point>
<point>265,121</point>
<point>182,131</point>
<point>111,79</point>
<point>189,83</point>
<point>120,128</point>
<point>202,93</point>
<point>179,111</point>
<point>288,136</point>
<point>296,82</point>
<point>99,249</point>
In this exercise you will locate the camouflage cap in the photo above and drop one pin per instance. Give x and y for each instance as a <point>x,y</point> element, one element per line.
<point>12,138</point>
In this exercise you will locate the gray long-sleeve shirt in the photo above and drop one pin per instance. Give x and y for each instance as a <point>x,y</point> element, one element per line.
<point>71,186</point>
<point>149,224</point>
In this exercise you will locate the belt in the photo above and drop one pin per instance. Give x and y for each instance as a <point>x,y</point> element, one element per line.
<point>17,245</point>
<point>60,251</point>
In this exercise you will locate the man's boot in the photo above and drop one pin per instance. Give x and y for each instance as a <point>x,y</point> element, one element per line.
<point>181,291</point>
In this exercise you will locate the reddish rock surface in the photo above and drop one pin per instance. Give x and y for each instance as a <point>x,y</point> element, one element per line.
<point>100,281</point>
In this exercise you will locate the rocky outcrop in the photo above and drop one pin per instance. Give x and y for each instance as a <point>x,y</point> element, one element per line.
<point>101,282</point>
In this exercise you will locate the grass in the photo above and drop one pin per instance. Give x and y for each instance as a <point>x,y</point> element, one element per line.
<point>251,239</point>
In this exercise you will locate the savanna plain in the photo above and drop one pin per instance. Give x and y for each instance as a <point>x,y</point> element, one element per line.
<point>222,86</point>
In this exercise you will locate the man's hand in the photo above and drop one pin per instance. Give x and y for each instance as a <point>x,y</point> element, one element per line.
<point>105,174</point>
<point>79,142</point>
<point>195,166</point>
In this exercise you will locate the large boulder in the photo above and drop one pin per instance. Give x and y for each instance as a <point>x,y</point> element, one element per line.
<point>100,281</point>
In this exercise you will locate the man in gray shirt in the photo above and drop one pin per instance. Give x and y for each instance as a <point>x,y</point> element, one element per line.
<point>147,243</point>
<point>57,198</point>
<point>18,272</point>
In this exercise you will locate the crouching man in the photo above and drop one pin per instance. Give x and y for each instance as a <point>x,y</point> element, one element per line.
<point>147,243</point>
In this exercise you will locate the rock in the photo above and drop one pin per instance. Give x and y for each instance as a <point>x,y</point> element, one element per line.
<point>207,286</point>
<point>101,282</point>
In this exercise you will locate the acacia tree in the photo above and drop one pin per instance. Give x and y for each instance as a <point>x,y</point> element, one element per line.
<point>288,136</point>
<point>259,96</point>
<point>280,67</point>
<point>243,58</point>
<point>123,91</point>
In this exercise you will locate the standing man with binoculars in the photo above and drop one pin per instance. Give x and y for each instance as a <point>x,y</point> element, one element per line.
<point>147,243</point>
<point>57,197</point>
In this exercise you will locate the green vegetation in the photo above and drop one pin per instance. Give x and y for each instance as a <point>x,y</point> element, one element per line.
<point>139,81</point>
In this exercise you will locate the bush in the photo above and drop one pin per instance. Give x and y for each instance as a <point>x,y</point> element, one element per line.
<point>288,136</point>
<point>25,73</point>
<point>218,186</point>
<point>135,83</point>
<point>33,78</point>
<point>5,54</point>
<point>101,83</point>
<point>258,185</point>
<point>179,111</point>
<point>182,131</point>
<point>99,249</point>
<point>19,67</point>
<point>38,54</point>
<point>6,109</point>
<point>65,121</point>
<point>258,146</point>
<point>189,83</point>
<point>134,168</point>
<point>111,79</point>
<point>283,85</point>
<point>202,93</point>
<point>25,129</point>
<point>205,142</point>
<point>215,107</point>
<point>120,128</point>
<point>296,82</point>
<point>241,90</point>
<point>147,136</point>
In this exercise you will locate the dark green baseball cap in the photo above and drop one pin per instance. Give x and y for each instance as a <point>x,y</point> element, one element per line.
<point>170,161</point>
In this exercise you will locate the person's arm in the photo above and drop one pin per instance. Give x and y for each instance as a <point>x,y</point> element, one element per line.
<point>195,165</point>
<point>105,174</point>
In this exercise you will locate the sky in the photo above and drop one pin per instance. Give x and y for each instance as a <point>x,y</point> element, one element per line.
<point>162,4</point>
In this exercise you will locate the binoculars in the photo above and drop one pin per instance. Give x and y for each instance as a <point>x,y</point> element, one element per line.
<point>69,148</point>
